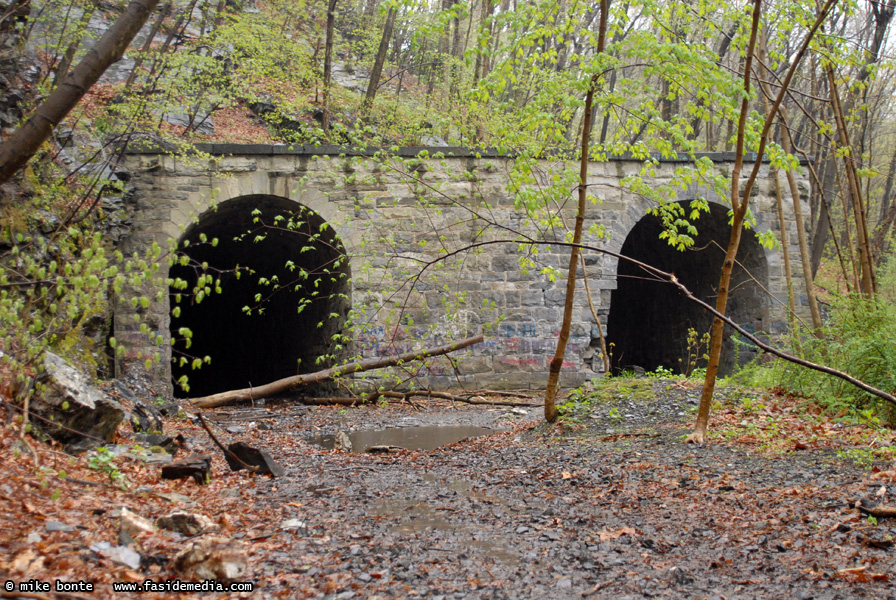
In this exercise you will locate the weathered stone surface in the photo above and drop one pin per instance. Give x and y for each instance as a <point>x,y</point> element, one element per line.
<point>187,523</point>
<point>133,524</point>
<point>214,557</point>
<point>254,457</point>
<point>423,206</point>
<point>72,410</point>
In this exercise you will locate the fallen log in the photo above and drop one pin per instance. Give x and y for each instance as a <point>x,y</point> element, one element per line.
<point>404,396</point>
<point>455,398</point>
<point>286,384</point>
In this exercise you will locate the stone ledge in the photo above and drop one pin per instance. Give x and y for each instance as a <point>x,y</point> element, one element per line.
<point>431,152</point>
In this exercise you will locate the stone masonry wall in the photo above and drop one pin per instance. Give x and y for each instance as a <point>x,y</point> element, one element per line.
<point>397,215</point>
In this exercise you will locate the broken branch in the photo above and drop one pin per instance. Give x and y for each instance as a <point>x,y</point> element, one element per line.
<point>879,512</point>
<point>226,452</point>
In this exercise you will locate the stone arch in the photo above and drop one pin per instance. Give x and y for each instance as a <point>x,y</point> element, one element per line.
<point>296,318</point>
<point>648,321</point>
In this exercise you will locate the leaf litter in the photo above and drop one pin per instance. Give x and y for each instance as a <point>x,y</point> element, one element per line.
<point>534,511</point>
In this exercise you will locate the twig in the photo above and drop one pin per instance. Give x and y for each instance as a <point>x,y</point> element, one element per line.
<point>879,512</point>
<point>30,449</point>
<point>600,586</point>
<point>81,481</point>
<point>504,393</point>
<point>25,404</point>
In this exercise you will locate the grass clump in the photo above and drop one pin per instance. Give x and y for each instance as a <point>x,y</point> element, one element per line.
<point>608,392</point>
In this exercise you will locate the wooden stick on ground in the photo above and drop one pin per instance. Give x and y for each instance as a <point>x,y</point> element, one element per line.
<point>208,430</point>
<point>405,395</point>
<point>283,385</point>
<point>880,512</point>
<point>464,399</point>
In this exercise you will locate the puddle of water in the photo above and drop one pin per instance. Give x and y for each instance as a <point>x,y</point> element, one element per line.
<point>410,438</point>
<point>416,518</point>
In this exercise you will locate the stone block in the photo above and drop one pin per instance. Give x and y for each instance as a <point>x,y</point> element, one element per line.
<point>475,364</point>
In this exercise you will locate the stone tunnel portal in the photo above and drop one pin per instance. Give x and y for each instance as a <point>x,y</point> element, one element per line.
<point>649,320</point>
<point>294,317</point>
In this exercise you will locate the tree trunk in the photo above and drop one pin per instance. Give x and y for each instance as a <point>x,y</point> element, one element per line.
<point>785,250</point>
<point>869,285</point>
<point>219,13</point>
<point>21,146</point>
<point>147,45</point>
<point>821,231</point>
<point>69,56</point>
<point>739,207</point>
<point>887,215</point>
<point>377,71</point>
<point>550,395</point>
<point>787,145</point>
<point>328,63</point>
<point>182,22</point>
<point>805,257</point>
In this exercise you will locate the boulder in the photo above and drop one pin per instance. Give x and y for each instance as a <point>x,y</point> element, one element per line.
<point>71,409</point>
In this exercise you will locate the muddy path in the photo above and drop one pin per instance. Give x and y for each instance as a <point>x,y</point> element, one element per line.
<point>611,506</point>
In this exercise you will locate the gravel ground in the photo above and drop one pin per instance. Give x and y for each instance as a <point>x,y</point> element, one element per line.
<point>611,506</point>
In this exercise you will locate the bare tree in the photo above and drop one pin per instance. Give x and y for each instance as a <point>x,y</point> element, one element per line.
<point>740,204</point>
<point>377,70</point>
<point>328,62</point>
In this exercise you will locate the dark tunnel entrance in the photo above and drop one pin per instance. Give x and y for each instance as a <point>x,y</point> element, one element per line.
<point>308,263</point>
<point>649,320</point>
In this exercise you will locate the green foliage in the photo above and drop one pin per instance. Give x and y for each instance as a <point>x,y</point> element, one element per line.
<point>860,339</point>
<point>600,397</point>
<point>104,461</point>
<point>54,295</point>
<point>697,351</point>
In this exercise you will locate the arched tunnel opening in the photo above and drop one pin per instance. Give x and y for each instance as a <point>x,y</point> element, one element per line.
<point>649,320</point>
<point>293,275</point>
